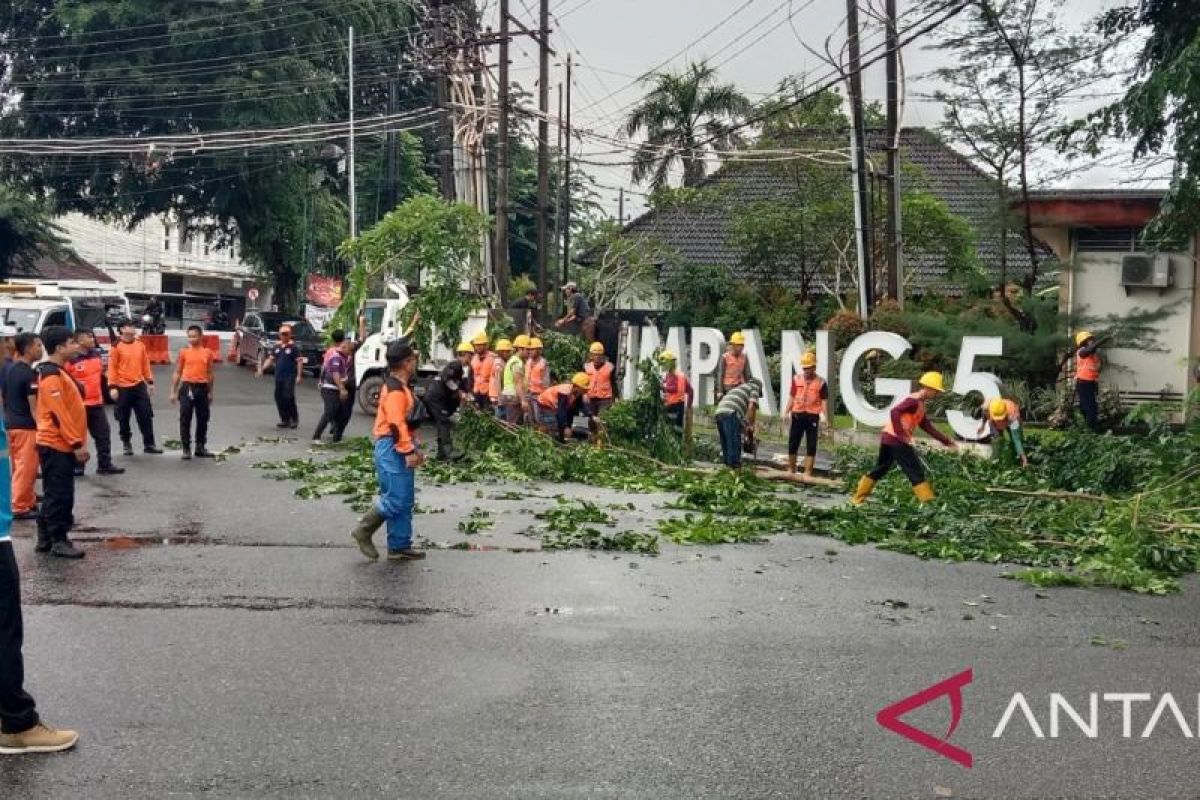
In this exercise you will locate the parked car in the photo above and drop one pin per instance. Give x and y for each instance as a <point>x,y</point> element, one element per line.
<point>259,333</point>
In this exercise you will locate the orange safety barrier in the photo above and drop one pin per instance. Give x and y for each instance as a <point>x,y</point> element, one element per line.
<point>213,342</point>
<point>234,346</point>
<point>157,348</point>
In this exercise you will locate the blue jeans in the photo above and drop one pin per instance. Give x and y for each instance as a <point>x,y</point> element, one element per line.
<point>729,426</point>
<point>397,490</point>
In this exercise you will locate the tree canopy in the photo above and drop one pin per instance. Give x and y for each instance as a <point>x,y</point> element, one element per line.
<point>26,230</point>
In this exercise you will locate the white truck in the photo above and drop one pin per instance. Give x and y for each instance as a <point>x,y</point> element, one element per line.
<point>383,326</point>
<point>31,306</point>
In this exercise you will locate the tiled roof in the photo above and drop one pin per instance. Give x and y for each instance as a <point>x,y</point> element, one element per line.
<point>65,265</point>
<point>1097,194</point>
<point>701,235</point>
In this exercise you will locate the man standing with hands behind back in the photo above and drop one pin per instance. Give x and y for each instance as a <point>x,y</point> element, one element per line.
<point>131,383</point>
<point>62,442</point>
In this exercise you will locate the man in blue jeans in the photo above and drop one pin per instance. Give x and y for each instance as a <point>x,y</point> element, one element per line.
<point>737,409</point>
<point>21,730</point>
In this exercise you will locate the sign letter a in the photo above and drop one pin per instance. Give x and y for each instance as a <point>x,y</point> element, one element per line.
<point>951,687</point>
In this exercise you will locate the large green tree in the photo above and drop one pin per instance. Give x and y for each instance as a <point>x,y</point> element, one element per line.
<point>151,68</point>
<point>684,117</point>
<point>26,230</point>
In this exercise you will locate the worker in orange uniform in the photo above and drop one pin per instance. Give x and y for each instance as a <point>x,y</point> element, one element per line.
<point>1087,377</point>
<point>20,385</point>
<point>502,352</point>
<point>896,443</point>
<point>809,410</point>
<point>537,376</point>
<point>396,461</point>
<point>676,389</point>
<point>1004,415</point>
<point>62,442</point>
<point>481,371</point>
<point>557,406</point>
<point>733,369</point>
<point>130,384</point>
<point>602,390</point>
<point>193,387</point>
<point>87,368</point>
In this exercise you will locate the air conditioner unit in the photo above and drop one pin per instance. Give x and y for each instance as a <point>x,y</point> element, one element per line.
<point>1143,269</point>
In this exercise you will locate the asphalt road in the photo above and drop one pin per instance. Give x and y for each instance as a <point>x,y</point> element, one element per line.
<point>223,638</point>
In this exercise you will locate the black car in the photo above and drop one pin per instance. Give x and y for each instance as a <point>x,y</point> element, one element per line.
<point>260,333</point>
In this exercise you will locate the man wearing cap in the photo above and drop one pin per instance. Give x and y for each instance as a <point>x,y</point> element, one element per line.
<point>896,442</point>
<point>557,406</point>
<point>287,360</point>
<point>512,383</point>
<point>676,389</point>
<point>602,391</point>
<point>733,369</point>
<point>1087,377</point>
<point>578,310</point>
<point>809,408</point>
<point>481,371</point>
<point>1005,415</point>
<point>737,410</point>
<point>443,397</point>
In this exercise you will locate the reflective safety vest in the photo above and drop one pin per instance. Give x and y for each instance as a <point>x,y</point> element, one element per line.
<point>481,372</point>
<point>806,395</point>
<point>549,397</point>
<point>908,422</point>
<point>735,369</point>
<point>495,375</point>
<point>601,387</point>
<point>675,391</point>
<point>509,382</point>
<point>1087,368</point>
<point>1013,415</point>
<point>537,372</point>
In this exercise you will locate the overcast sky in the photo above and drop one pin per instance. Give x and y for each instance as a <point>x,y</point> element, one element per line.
<point>614,41</point>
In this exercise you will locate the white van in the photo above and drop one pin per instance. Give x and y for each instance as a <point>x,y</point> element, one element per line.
<point>76,304</point>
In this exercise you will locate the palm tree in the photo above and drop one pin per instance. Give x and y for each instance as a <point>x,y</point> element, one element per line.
<point>684,116</point>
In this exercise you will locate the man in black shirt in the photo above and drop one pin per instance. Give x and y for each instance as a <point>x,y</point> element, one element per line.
<point>286,359</point>
<point>578,310</point>
<point>443,397</point>
<point>20,384</point>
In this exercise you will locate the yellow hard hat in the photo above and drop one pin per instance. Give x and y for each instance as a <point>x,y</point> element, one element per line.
<point>1082,337</point>
<point>464,347</point>
<point>480,338</point>
<point>737,338</point>
<point>535,343</point>
<point>666,355</point>
<point>521,341</point>
<point>933,380</point>
<point>503,346</point>
<point>581,380</point>
<point>596,349</point>
<point>998,409</point>
<point>809,359</point>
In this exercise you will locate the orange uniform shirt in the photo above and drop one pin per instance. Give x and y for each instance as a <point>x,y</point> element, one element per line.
<point>195,364</point>
<point>88,371</point>
<point>395,403</point>
<point>129,365</point>
<point>537,373</point>
<point>481,372</point>
<point>61,415</point>
<point>601,387</point>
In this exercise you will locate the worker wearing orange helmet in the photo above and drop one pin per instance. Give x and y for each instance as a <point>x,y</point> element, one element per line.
<point>557,406</point>
<point>896,442</point>
<point>809,409</point>
<point>1087,377</point>
<point>733,369</point>
<point>1002,416</point>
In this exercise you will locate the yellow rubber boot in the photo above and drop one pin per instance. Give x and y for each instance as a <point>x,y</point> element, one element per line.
<point>809,462</point>
<point>792,464</point>
<point>923,491</point>
<point>865,486</point>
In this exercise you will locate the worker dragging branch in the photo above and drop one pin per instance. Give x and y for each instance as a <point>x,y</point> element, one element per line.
<point>557,406</point>
<point>1005,416</point>
<point>735,416</point>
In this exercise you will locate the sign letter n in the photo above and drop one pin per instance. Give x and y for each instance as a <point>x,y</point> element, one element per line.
<point>952,688</point>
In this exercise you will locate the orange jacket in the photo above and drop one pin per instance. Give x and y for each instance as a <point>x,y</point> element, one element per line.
<point>395,403</point>
<point>537,372</point>
<point>549,397</point>
<point>601,388</point>
<point>195,364</point>
<point>676,388</point>
<point>806,395</point>
<point>1013,415</point>
<point>735,369</point>
<point>481,371</point>
<point>911,412</point>
<point>61,415</point>
<point>1087,368</point>
<point>129,364</point>
<point>88,371</point>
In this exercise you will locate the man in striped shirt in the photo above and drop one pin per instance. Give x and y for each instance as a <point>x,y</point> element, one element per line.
<point>737,409</point>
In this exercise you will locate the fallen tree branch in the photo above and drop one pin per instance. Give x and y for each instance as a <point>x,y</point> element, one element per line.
<point>1049,495</point>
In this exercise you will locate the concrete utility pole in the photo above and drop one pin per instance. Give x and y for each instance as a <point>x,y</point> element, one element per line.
<point>350,146</point>
<point>445,157</point>
<point>502,269</point>
<point>895,249</point>
<point>621,206</point>
<point>862,208</point>
<point>566,204</point>
<point>543,153</point>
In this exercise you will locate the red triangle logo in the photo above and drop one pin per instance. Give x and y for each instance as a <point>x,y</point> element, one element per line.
<point>951,687</point>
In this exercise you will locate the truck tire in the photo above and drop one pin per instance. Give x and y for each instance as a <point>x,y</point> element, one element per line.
<point>368,394</point>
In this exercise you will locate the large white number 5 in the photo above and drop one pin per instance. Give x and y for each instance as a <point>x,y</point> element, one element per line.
<point>967,380</point>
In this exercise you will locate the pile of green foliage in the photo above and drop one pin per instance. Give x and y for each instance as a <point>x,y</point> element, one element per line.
<point>564,353</point>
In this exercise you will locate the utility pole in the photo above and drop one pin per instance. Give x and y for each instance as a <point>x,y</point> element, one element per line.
<point>392,161</point>
<point>350,146</point>
<point>895,250</point>
<point>445,157</point>
<point>862,211</point>
<point>543,154</point>
<point>566,268</point>
<point>621,206</point>
<point>559,188</point>
<point>502,270</point>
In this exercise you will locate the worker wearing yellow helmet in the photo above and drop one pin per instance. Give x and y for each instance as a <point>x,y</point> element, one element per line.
<point>481,371</point>
<point>1087,377</point>
<point>557,406</point>
<point>1001,415</point>
<point>733,369</point>
<point>602,388</point>
<point>537,375</point>
<point>896,442</point>
<point>676,390</point>
<point>502,352</point>
<point>809,409</point>
<point>443,396</point>
<point>512,383</point>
